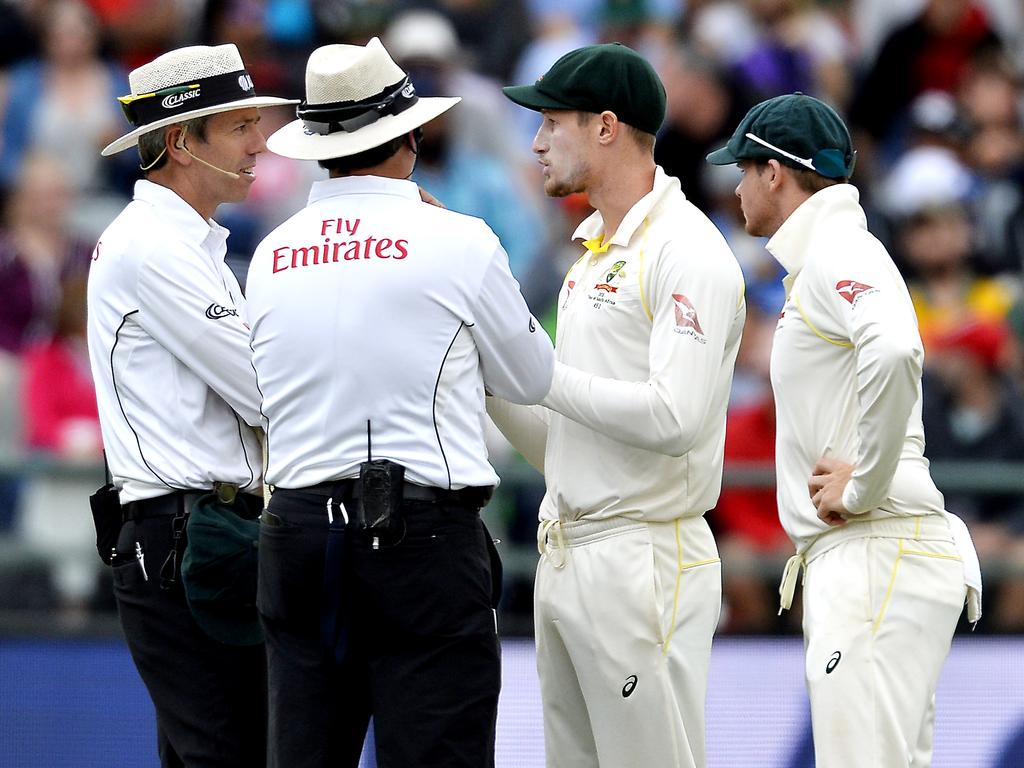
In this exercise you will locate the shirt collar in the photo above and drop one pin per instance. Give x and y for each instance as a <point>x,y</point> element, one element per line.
<point>591,231</point>
<point>363,185</point>
<point>181,216</point>
<point>791,244</point>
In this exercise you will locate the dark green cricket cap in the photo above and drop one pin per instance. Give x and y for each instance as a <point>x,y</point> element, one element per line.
<point>219,571</point>
<point>596,78</point>
<point>797,130</point>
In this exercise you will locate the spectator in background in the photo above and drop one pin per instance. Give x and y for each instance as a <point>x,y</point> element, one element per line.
<point>931,51</point>
<point>37,253</point>
<point>63,104</point>
<point>971,412</point>
<point>746,519</point>
<point>62,423</point>
<point>702,107</point>
<point>928,194</point>
<point>991,99</point>
<point>457,162</point>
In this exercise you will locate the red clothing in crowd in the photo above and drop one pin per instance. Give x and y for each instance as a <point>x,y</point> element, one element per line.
<point>750,513</point>
<point>60,400</point>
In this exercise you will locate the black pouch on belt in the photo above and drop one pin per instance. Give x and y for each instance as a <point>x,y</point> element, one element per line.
<point>379,502</point>
<point>106,516</point>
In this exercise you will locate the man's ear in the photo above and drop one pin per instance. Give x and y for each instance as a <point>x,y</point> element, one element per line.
<point>174,142</point>
<point>774,171</point>
<point>609,127</point>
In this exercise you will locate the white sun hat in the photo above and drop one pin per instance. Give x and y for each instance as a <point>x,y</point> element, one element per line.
<point>357,98</point>
<point>184,84</point>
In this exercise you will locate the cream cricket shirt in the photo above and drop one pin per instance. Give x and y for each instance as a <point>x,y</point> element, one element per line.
<point>649,323</point>
<point>169,351</point>
<point>372,306</point>
<point>846,369</point>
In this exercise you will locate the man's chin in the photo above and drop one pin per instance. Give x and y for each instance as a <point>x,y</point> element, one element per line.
<point>558,189</point>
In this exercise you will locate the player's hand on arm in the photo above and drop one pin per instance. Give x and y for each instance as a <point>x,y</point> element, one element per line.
<point>826,486</point>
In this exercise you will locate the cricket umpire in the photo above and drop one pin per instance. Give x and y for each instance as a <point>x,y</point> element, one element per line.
<point>885,565</point>
<point>378,321</point>
<point>170,356</point>
<point>630,438</point>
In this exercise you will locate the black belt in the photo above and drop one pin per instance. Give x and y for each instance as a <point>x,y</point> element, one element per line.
<point>471,497</point>
<point>174,503</point>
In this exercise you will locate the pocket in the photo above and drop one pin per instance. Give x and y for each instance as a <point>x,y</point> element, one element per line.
<point>430,585</point>
<point>290,576</point>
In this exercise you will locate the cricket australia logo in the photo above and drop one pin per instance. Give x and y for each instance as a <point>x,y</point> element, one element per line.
<point>615,271</point>
<point>687,322</point>
<point>851,290</point>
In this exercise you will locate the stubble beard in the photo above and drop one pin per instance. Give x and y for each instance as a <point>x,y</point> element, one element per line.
<point>575,182</point>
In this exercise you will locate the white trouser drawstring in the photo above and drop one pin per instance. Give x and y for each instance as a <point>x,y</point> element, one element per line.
<point>788,584</point>
<point>562,557</point>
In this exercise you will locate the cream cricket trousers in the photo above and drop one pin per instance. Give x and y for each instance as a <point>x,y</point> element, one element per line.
<point>624,615</point>
<point>879,615</point>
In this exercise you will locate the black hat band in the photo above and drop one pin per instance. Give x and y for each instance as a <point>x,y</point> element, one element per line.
<point>198,94</point>
<point>349,116</point>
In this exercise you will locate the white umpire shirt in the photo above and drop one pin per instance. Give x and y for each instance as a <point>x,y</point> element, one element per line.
<point>372,307</point>
<point>169,350</point>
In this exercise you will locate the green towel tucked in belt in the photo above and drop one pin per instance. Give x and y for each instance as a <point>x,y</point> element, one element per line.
<point>219,572</point>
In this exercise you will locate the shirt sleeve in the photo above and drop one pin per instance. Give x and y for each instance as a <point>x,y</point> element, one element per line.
<point>189,310</point>
<point>696,309</point>
<point>524,426</point>
<point>516,355</point>
<point>867,298</point>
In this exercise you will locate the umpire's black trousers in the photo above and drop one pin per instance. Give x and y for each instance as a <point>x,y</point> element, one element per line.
<point>423,654</point>
<point>210,698</point>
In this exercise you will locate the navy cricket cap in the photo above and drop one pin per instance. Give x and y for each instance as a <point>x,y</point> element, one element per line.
<point>797,130</point>
<point>596,78</point>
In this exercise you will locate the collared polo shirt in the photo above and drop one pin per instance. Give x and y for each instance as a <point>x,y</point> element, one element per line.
<point>649,323</point>
<point>169,350</point>
<point>377,322</point>
<point>846,369</point>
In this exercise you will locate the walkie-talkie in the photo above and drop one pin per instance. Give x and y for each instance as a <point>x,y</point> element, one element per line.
<point>381,482</point>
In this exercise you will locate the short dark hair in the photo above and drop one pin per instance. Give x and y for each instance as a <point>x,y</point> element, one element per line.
<point>151,144</point>
<point>366,159</point>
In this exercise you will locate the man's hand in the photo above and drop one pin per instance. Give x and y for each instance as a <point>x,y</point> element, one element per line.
<point>429,199</point>
<point>826,489</point>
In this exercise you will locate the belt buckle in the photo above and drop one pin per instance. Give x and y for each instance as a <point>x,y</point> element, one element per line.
<point>226,492</point>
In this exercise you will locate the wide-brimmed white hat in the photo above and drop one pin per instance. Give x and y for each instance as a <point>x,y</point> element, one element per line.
<point>184,84</point>
<point>357,98</point>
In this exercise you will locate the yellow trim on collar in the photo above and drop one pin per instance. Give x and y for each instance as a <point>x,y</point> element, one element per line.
<point>595,244</point>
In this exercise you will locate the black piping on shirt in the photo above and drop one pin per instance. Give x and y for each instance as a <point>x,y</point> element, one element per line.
<point>433,405</point>
<point>117,337</point>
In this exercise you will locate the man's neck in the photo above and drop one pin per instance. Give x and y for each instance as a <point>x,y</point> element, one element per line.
<point>187,191</point>
<point>619,189</point>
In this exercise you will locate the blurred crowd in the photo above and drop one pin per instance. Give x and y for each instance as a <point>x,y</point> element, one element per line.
<point>932,88</point>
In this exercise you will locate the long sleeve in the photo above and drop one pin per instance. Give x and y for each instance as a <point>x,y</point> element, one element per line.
<point>524,426</point>
<point>516,356</point>
<point>192,314</point>
<point>696,316</point>
<point>889,356</point>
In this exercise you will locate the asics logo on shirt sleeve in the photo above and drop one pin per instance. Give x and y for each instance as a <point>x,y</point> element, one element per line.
<point>219,312</point>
